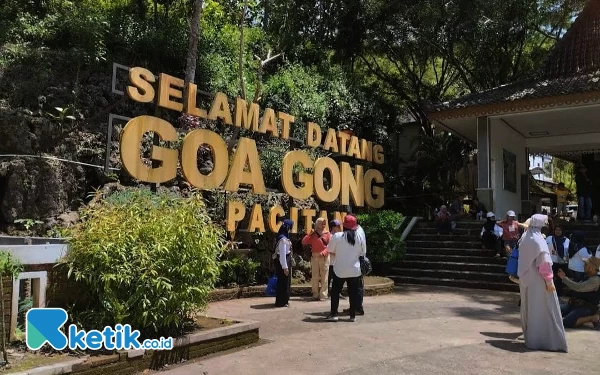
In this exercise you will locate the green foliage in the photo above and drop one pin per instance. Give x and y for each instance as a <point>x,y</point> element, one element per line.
<point>383,239</point>
<point>28,224</point>
<point>9,265</point>
<point>564,171</point>
<point>238,269</point>
<point>146,259</point>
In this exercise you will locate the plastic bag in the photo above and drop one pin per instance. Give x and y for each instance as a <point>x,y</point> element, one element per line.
<point>271,290</point>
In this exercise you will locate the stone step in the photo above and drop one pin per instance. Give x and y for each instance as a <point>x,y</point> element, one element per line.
<point>433,243</point>
<point>451,266</point>
<point>455,258</point>
<point>459,224</point>
<point>445,251</point>
<point>451,274</point>
<point>470,284</point>
<point>457,231</point>
<point>445,237</point>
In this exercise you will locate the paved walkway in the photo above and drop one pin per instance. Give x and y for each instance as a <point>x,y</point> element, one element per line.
<point>416,330</point>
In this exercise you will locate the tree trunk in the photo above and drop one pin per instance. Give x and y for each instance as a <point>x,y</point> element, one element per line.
<point>3,339</point>
<point>192,56</point>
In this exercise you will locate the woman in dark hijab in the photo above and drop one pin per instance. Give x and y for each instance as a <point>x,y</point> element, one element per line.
<point>283,264</point>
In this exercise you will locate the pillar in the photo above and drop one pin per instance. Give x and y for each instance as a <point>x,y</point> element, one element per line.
<point>525,189</point>
<point>485,192</point>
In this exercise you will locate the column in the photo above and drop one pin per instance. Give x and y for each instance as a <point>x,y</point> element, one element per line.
<point>484,168</point>
<point>525,189</point>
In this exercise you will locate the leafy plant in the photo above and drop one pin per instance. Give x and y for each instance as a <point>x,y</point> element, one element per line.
<point>239,269</point>
<point>384,242</point>
<point>28,223</point>
<point>148,260</point>
<point>9,266</point>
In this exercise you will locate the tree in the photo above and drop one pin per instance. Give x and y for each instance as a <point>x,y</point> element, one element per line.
<point>9,266</point>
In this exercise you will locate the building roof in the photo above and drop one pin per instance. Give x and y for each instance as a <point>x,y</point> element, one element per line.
<point>571,73</point>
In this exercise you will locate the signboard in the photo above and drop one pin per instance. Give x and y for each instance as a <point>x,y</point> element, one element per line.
<point>362,186</point>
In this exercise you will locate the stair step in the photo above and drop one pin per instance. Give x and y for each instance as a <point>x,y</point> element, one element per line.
<point>455,258</point>
<point>492,277</point>
<point>458,231</point>
<point>446,244</point>
<point>451,266</point>
<point>459,224</point>
<point>444,251</point>
<point>459,283</point>
<point>445,237</point>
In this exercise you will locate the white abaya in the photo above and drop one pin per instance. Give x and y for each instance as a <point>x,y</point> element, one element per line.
<point>541,318</point>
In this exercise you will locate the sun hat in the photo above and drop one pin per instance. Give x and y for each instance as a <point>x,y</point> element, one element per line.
<point>490,214</point>
<point>511,213</point>
<point>350,222</point>
<point>593,261</point>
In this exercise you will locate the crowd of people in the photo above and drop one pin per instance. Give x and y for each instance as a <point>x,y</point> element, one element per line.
<point>336,256</point>
<point>547,263</point>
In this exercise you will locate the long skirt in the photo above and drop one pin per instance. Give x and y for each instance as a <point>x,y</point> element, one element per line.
<point>541,319</point>
<point>284,283</point>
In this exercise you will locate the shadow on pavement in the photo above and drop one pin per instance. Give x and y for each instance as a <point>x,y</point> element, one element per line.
<point>502,335</point>
<point>497,315</point>
<point>509,346</point>
<point>265,306</point>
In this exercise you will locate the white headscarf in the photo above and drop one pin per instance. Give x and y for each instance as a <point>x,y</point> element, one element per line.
<point>533,250</point>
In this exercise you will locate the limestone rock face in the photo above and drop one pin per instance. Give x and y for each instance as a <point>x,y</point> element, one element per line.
<point>38,188</point>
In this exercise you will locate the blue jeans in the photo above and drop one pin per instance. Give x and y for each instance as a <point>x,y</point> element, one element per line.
<point>584,211</point>
<point>572,314</point>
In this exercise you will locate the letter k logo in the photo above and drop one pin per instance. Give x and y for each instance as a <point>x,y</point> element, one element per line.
<point>43,326</point>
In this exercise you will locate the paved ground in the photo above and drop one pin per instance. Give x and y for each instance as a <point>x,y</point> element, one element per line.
<point>417,330</point>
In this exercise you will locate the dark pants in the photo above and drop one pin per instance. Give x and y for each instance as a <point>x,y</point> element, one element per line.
<point>338,285</point>
<point>572,314</point>
<point>584,211</point>
<point>577,276</point>
<point>361,292</point>
<point>557,280</point>
<point>330,279</point>
<point>284,283</point>
<point>491,242</point>
<point>443,226</point>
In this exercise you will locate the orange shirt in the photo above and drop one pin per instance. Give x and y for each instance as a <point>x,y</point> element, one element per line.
<point>317,244</point>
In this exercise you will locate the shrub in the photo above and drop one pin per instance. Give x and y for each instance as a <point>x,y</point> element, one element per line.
<point>238,269</point>
<point>148,260</point>
<point>384,242</point>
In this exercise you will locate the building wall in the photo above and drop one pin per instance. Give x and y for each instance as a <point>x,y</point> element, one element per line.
<point>504,137</point>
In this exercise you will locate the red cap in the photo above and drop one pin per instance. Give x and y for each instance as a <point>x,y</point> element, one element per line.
<point>350,222</point>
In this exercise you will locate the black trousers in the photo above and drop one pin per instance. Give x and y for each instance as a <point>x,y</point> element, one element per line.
<point>557,281</point>
<point>330,279</point>
<point>361,292</point>
<point>353,296</point>
<point>284,283</point>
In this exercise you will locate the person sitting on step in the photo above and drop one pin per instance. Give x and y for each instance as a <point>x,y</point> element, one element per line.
<point>491,234</point>
<point>583,306</point>
<point>443,224</point>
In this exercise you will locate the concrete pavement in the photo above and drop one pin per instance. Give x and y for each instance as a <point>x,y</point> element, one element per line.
<point>416,330</point>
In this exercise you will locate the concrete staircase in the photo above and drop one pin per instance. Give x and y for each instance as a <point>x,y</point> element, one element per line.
<point>458,260</point>
<point>451,260</point>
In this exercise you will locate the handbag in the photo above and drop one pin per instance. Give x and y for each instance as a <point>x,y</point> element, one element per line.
<point>365,265</point>
<point>271,289</point>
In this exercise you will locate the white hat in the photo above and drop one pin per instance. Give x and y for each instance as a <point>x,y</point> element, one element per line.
<point>490,214</point>
<point>511,213</point>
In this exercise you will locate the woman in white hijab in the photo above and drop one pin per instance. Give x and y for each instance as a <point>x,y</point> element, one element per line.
<point>540,311</point>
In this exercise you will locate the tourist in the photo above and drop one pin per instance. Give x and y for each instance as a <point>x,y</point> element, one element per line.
<point>491,234</point>
<point>510,232</point>
<point>443,223</point>
<point>577,253</point>
<point>584,195</point>
<point>457,212</point>
<point>562,193</point>
<point>361,285</point>
<point>283,264</point>
<point>334,227</point>
<point>559,252</point>
<point>347,248</point>
<point>540,311</point>
<point>317,240</point>
<point>583,307</point>
<point>477,209</point>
